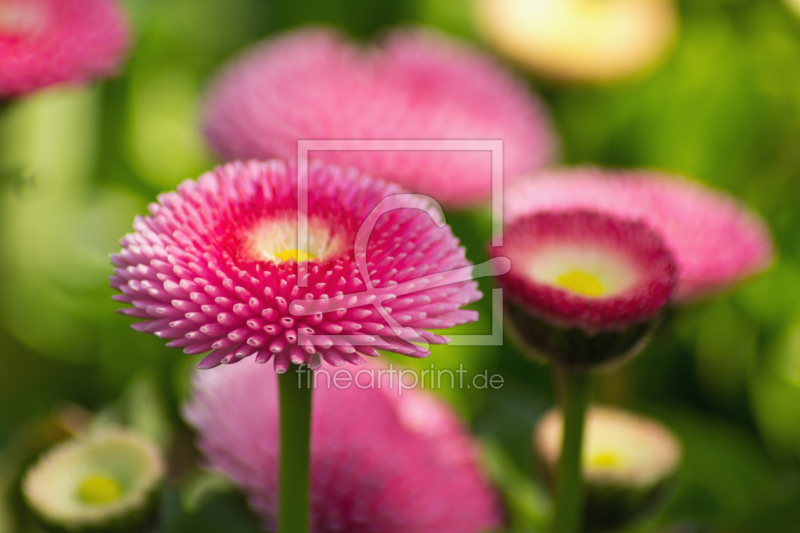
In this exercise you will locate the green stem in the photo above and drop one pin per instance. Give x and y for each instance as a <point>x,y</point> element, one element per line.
<point>575,387</point>
<point>295,449</point>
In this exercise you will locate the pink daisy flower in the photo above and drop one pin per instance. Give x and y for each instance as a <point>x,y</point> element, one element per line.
<point>583,279</point>
<point>716,241</point>
<point>217,266</point>
<point>45,42</point>
<point>420,85</point>
<point>380,462</point>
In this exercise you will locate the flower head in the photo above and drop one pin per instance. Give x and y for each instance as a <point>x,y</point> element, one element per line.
<point>218,266</point>
<point>716,242</point>
<point>381,462</point>
<point>46,42</point>
<point>95,480</point>
<point>627,462</point>
<point>312,84</point>
<point>583,278</point>
<point>580,40</point>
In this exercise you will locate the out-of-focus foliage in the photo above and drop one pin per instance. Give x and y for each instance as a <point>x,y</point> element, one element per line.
<point>724,108</point>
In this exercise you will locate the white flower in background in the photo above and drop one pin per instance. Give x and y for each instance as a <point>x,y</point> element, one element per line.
<point>794,5</point>
<point>580,40</point>
<point>94,480</point>
<point>628,463</point>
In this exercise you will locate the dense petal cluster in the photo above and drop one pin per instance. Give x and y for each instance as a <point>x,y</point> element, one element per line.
<point>46,42</point>
<point>580,40</point>
<point>716,242</point>
<point>585,269</point>
<point>381,462</point>
<point>215,267</point>
<point>312,84</point>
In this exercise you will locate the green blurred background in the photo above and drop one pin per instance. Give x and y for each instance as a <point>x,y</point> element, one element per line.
<point>723,107</point>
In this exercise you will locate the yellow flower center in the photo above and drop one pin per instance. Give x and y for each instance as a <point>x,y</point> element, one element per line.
<point>297,255</point>
<point>605,460</point>
<point>581,283</point>
<point>276,240</point>
<point>99,490</point>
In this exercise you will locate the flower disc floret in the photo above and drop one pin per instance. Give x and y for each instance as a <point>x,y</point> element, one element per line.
<point>215,268</point>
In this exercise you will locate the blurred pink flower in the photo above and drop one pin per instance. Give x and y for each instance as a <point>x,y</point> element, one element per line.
<point>716,241</point>
<point>312,84</point>
<point>45,42</point>
<point>380,462</point>
<point>215,267</point>
<point>587,270</point>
